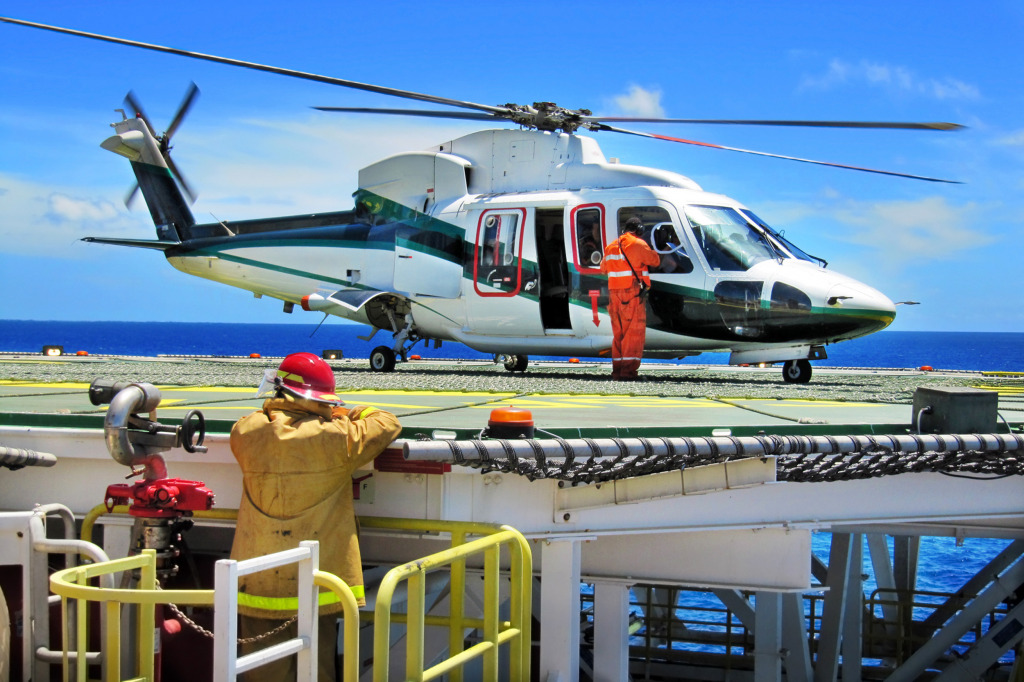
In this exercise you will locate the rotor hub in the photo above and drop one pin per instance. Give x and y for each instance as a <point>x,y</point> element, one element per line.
<point>547,116</point>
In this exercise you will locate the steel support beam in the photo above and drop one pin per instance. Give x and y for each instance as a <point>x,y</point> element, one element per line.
<point>852,646</point>
<point>975,585</point>
<point>560,610</point>
<point>1001,588</point>
<point>611,631</point>
<point>832,618</point>
<point>768,637</point>
<point>885,576</point>
<point>986,651</point>
<point>797,657</point>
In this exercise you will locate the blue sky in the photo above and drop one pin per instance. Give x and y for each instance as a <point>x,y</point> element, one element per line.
<point>253,147</point>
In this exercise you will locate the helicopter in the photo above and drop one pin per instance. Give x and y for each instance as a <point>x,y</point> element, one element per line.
<point>495,240</point>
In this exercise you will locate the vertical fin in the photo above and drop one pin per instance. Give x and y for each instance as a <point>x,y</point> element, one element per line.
<point>134,140</point>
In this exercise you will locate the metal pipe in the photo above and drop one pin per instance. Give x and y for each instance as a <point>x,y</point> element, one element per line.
<point>126,402</point>
<point>17,458</point>
<point>40,543</point>
<point>65,513</point>
<point>710,447</point>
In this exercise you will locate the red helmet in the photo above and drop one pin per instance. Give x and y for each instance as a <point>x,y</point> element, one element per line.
<point>306,376</point>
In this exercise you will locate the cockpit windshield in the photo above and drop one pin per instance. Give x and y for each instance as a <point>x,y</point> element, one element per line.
<point>728,241</point>
<point>784,244</point>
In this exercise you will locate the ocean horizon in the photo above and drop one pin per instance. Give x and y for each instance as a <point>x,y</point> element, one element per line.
<point>967,351</point>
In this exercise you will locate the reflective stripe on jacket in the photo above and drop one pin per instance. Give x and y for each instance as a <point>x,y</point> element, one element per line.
<point>297,457</point>
<point>614,264</point>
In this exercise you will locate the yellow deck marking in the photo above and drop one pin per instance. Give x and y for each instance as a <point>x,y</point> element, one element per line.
<point>42,384</point>
<point>801,402</point>
<point>1003,390</point>
<point>573,402</point>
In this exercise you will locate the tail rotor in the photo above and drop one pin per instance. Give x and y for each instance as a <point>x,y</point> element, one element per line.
<point>132,104</point>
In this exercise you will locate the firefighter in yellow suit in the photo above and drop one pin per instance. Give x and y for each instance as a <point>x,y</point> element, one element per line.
<point>297,456</point>
<point>625,262</point>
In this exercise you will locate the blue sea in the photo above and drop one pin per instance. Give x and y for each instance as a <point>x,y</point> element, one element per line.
<point>986,351</point>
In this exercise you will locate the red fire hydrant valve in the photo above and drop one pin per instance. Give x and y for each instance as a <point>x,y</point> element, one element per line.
<point>165,497</point>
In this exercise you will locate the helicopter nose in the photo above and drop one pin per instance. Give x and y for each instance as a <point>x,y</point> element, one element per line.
<point>873,308</point>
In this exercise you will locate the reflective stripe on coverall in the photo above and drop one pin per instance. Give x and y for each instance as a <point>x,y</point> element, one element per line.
<point>297,459</point>
<point>628,313</point>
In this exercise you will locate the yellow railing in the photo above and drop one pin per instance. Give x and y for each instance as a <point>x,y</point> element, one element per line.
<point>73,584</point>
<point>515,632</point>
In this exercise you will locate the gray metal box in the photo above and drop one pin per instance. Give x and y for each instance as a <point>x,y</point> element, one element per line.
<point>956,409</point>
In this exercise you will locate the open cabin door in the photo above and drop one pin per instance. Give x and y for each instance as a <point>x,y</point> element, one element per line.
<point>554,285</point>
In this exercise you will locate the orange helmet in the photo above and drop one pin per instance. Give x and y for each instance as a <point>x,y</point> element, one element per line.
<point>303,375</point>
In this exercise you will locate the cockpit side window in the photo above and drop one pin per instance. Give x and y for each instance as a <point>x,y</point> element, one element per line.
<point>648,215</point>
<point>662,236</point>
<point>728,241</point>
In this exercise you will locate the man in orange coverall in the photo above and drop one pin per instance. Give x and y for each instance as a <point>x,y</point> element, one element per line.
<point>297,456</point>
<point>625,262</point>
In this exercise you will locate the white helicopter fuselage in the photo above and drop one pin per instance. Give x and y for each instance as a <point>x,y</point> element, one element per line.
<point>494,240</point>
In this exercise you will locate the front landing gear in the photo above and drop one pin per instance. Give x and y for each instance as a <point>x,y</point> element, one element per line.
<point>382,359</point>
<point>797,371</point>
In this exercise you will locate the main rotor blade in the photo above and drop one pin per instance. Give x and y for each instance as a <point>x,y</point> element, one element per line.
<point>406,94</point>
<point>186,104</point>
<point>774,156</point>
<point>428,113</point>
<point>897,125</point>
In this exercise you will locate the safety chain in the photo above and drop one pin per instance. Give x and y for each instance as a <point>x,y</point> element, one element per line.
<point>875,460</point>
<point>241,640</point>
<point>188,621</point>
<point>269,633</point>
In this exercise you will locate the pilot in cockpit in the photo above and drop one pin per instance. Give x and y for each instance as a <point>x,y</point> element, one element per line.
<point>666,242</point>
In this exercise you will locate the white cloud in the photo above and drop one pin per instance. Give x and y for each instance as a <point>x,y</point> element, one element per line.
<point>929,228</point>
<point>260,168</point>
<point>641,102</point>
<point>898,79</point>
<point>1014,139</point>
<point>65,208</point>
<point>46,220</point>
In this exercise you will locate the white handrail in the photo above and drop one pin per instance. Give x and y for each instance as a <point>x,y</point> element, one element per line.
<point>227,664</point>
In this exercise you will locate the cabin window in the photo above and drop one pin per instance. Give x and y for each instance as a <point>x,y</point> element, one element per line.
<point>498,250</point>
<point>728,241</point>
<point>588,237</point>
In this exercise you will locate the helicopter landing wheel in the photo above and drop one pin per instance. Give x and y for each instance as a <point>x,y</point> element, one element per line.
<point>382,359</point>
<point>797,371</point>
<point>516,363</point>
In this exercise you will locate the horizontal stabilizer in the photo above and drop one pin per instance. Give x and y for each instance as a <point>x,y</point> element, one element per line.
<point>351,300</point>
<point>137,243</point>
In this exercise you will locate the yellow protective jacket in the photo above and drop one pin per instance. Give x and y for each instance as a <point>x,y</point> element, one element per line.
<point>297,461</point>
<point>641,256</point>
